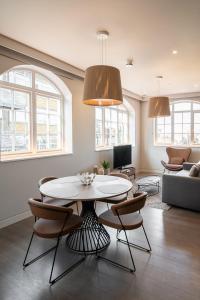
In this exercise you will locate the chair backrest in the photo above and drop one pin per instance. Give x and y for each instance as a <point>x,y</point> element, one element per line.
<point>49,212</point>
<point>183,153</point>
<point>131,205</point>
<point>120,175</point>
<point>45,179</point>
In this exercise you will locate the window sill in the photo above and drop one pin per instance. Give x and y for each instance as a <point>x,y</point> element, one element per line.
<point>110,148</point>
<point>178,146</point>
<point>34,156</point>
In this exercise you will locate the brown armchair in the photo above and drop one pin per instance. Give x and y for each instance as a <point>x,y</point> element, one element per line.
<point>177,156</point>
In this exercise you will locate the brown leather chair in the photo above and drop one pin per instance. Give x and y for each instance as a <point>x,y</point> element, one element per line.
<point>52,222</point>
<point>54,201</point>
<point>116,199</point>
<point>177,156</point>
<point>126,216</point>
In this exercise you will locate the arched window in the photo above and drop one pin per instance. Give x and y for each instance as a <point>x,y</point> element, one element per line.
<point>114,126</point>
<point>182,128</point>
<point>31,114</point>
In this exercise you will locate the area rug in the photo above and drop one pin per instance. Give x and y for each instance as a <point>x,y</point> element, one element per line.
<point>153,200</point>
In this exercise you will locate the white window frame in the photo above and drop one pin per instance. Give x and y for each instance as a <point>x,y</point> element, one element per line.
<point>192,112</point>
<point>117,109</point>
<point>33,92</point>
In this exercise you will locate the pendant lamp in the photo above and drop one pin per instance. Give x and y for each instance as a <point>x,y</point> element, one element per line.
<point>159,106</point>
<point>102,84</point>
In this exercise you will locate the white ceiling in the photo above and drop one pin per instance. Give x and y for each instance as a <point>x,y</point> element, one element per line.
<point>147,30</point>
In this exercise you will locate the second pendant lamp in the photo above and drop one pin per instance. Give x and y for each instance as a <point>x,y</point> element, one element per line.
<point>102,84</point>
<point>159,106</point>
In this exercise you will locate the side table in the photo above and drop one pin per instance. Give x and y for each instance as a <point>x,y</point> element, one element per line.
<point>129,171</point>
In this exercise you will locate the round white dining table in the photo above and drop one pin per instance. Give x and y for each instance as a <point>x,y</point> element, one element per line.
<point>91,236</point>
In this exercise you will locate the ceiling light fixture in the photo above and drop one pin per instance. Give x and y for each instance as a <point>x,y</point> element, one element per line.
<point>102,84</point>
<point>174,52</point>
<point>159,106</point>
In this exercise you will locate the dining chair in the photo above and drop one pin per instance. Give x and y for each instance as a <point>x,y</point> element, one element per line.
<point>125,216</point>
<point>54,201</point>
<point>116,199</point>
<point>52,222</point>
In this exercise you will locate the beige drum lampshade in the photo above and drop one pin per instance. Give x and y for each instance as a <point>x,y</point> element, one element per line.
<point>102,86</point>
<point>159,107</point>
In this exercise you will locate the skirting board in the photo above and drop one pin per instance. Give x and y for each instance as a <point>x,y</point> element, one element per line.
<point>152,171</point>
<point>15,219</point>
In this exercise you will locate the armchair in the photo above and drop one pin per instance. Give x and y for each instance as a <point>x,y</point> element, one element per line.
<point>177,156</point>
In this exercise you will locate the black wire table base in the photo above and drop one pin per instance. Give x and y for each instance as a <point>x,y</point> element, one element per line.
<point>90,235</point>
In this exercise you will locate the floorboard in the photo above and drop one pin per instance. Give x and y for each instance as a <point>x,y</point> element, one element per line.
<point>171,272</point>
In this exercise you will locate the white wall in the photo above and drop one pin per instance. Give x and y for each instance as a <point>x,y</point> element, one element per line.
<point>151,155</point>
<point>18,179</point>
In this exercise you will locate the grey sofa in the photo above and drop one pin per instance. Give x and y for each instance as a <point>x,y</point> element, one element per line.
<point>182,190</point>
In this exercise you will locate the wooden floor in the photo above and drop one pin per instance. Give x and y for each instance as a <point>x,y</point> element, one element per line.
<point>171,272</point>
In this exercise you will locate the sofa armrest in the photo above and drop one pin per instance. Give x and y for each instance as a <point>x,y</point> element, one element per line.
<point>187,165</point>
<point>182,191</point>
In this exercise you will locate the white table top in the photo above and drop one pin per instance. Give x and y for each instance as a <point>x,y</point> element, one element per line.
<point>71,188</point>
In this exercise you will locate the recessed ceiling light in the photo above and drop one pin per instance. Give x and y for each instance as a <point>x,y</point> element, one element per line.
<point>174,52</point>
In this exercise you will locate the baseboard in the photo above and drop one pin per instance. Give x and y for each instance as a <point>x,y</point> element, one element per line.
<point>154,171</point>
<point>15,219</point>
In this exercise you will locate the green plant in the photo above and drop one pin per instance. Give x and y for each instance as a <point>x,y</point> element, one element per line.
<point>105,164</point>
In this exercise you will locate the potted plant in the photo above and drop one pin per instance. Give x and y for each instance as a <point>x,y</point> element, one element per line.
<point>106,166</point>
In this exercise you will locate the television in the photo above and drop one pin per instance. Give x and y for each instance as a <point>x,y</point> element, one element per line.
<point>122,156</point>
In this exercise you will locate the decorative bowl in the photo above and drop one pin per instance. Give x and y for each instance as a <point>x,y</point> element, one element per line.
<point>86,178</point>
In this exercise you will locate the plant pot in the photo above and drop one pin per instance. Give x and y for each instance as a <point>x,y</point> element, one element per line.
<point>107,171</point>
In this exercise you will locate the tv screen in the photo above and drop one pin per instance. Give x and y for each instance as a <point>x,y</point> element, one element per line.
<point>122,156</point>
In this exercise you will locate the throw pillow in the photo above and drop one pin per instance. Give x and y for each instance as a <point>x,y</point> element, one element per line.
<point>176,160</point>
<point>194,171</point>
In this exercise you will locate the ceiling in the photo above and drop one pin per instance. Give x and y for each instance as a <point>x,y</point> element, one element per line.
<point>146,30</point>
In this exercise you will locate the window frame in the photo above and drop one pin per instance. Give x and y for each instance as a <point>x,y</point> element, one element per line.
<point>117,109</point>
<point>33,92</point>
<point>192,134</point>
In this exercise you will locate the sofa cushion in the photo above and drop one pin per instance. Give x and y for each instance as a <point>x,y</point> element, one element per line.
<point>176,160</point>
<point>194,171</point>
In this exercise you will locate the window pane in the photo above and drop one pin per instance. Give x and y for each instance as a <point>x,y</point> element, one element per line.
<point>15,123</point>
<point>107,114</point>
<point>114,115</point>
<point>196,106</point>
<point>6,98</point>
<point>178,128</point>
<point>186,117</point>
<point>178,118</point>
<point>196,117</point>
<point>114,130</point>
<point>53,105</point>
<point>99,112</point>
<point>183,106</point>
<point>167,128</point>
<point>197,128</point>
<point>161,129</point>
<point>186,128</point>
<point>197,138</point>
<point>21,77</point>
<point>48,121</point>
<point>99,133</point>
<point>41,104</point>
<point>168,120</point>
<point>43,84</point>
<point>160,121</point>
